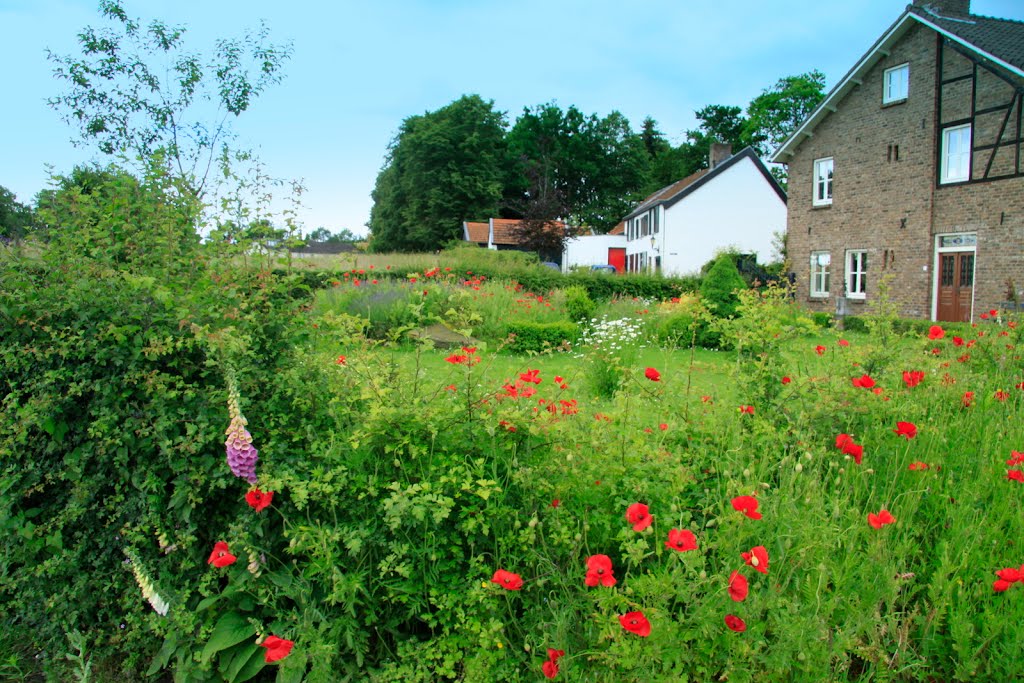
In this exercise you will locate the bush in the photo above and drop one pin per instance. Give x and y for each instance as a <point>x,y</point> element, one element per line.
<point>823,320</point>
<point>578,304</point>
<point>855,323</point>
<point>718,290</point>
<point>537,337</point>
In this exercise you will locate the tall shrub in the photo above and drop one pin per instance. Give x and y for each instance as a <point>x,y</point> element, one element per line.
<point>718,289</point>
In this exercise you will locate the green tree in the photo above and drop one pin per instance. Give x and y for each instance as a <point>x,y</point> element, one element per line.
<point>139,92</point>
<point>718,288</point>
<point>442,168</point>
<point>322,234</point>
<point>598,166</point>
<point>15,217</point>
<point>776,113</point>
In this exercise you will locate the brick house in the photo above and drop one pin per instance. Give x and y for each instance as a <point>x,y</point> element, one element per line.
<point>912,170</point>
<point>502,234</point>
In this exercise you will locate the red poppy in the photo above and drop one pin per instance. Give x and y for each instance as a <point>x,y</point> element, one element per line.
<point>842,440</point>
<point>854,450</point>
<point>738,587</point>
<point>458,359</point>
<point>549,668</point>
<point>863,382</point>
<point>786,380</point>
<point>993,313</point>
<point>507,580</point>
<point>958,341</point>
<point>599,571</point>
<point>936,332</point>
<point>532,376</point>
<point>912,378</point>
<point>555,655</point>
<point>663,426</point>
<point>757,558</point>
<point>258,500</point>
<point>735,623</point>
<point>636,622</point>
<point>221,556</point>
<point>967,399</point>
<point>918,466</point>
<point>843,342</point>
<point>341,360</point>
<point>907,430</point>
<point>1010,575</point>
<point>1015,475</point>
<point>451,387</point>
<point>747,505</point>
<point>555,503</point>
<point>1015,458</point>
<point>652,374</point>
<point>681,540</point>
<point>559,379</point>
<point>746,410</point>
<point>277,648</point>
<point>881,519</point>
<point>1001,395</point>
<point>639,516</point>
<point>999,585</point>
<point>819,349</point>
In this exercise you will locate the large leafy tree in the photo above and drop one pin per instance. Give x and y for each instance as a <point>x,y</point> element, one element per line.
<point>15,217</point>
<point>136,91</point>
<point>776,113</point>
<point>598,166</point>
<point>442,168</point>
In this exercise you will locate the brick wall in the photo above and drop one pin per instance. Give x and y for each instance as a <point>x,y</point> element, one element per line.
<point>892,208</point>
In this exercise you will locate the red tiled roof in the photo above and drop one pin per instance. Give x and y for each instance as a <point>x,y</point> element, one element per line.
<point>505,230</point>
<point>669,191</point>
<point>476,232</point>
<point>619,229</point>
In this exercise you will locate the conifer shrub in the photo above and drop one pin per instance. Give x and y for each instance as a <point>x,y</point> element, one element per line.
<point>718,289</point>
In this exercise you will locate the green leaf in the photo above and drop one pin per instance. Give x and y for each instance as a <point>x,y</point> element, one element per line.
<point>164,655</point>
<point>232,629</point>
<point>246,661</point>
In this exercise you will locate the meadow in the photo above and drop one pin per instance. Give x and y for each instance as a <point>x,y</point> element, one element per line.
<point>580,488</point>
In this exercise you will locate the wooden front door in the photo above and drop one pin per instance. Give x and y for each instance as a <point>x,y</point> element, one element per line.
<point>956,286</point>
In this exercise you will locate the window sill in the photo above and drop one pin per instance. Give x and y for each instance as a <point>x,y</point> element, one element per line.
<point>815,207</point>
<point>894,103</point>
<point>817,297</point>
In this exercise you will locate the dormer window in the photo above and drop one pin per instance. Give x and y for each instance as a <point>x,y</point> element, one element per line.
<point>896,84</point>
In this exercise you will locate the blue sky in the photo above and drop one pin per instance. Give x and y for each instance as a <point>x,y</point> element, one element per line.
<point>359,68</point>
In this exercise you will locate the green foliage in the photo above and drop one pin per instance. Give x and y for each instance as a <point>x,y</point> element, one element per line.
<point>442,168</point>
<point>578,304</point>
<point>531,337</point>
<point>15,218</point>
<point>855,323</point>
<point>824,320</point>
<point>138,90</point>
<point>718,289</point>
<point>775,114</point>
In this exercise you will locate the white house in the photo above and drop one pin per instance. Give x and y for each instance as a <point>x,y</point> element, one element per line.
<point>734,203</point>
<point>584,251</point>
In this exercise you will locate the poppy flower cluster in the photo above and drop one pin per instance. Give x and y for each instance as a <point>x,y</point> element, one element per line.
<point>746,410</point>
<point>912,378</point>
<point>277,648</point>
<point>846,444</point>
<point>1007,577</point>
<point>467,357</point>
<point>221,556</point>
<point>639,516</point>
<point>747,505</point>
<point>550,667</point>
<point>908,430</point>
<point>259,500</point>
<point>863,382</point>
<point>636,623</point>
<point>881,519</point>
<point>507,580</point>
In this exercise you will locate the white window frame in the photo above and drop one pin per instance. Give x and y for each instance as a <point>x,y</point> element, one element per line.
<point>821,262</point>
<point>823,184</point>
<point>896,84</point>
<point>956,167</point>
<point>856,273</point>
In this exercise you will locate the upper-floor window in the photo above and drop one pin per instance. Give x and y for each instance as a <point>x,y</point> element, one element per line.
<point>823,182</point>
<point>955,164</point>
<point>856,274</point>
<point>896,84</point>
<point>820,262</point>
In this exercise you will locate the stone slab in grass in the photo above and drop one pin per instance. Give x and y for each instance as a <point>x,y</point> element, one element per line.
<point>442,337</point>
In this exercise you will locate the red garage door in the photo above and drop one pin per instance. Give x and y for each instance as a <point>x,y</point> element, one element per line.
<point>617,258</point>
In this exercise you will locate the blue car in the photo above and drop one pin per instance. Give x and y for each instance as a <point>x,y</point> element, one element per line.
<point>603,269</point>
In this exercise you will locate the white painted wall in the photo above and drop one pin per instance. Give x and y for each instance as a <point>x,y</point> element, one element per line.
<point>737,208</point>
<point>589,250</point>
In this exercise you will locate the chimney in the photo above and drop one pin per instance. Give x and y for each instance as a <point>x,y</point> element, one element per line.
<point>720,151</point>
<point>946,8</point>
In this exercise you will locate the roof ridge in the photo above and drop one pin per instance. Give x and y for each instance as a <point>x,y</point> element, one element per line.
<point>1006,19</point>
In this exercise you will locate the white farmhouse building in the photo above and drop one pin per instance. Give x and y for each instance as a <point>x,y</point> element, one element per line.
<point>734,203</point>
<point>584,251</point>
